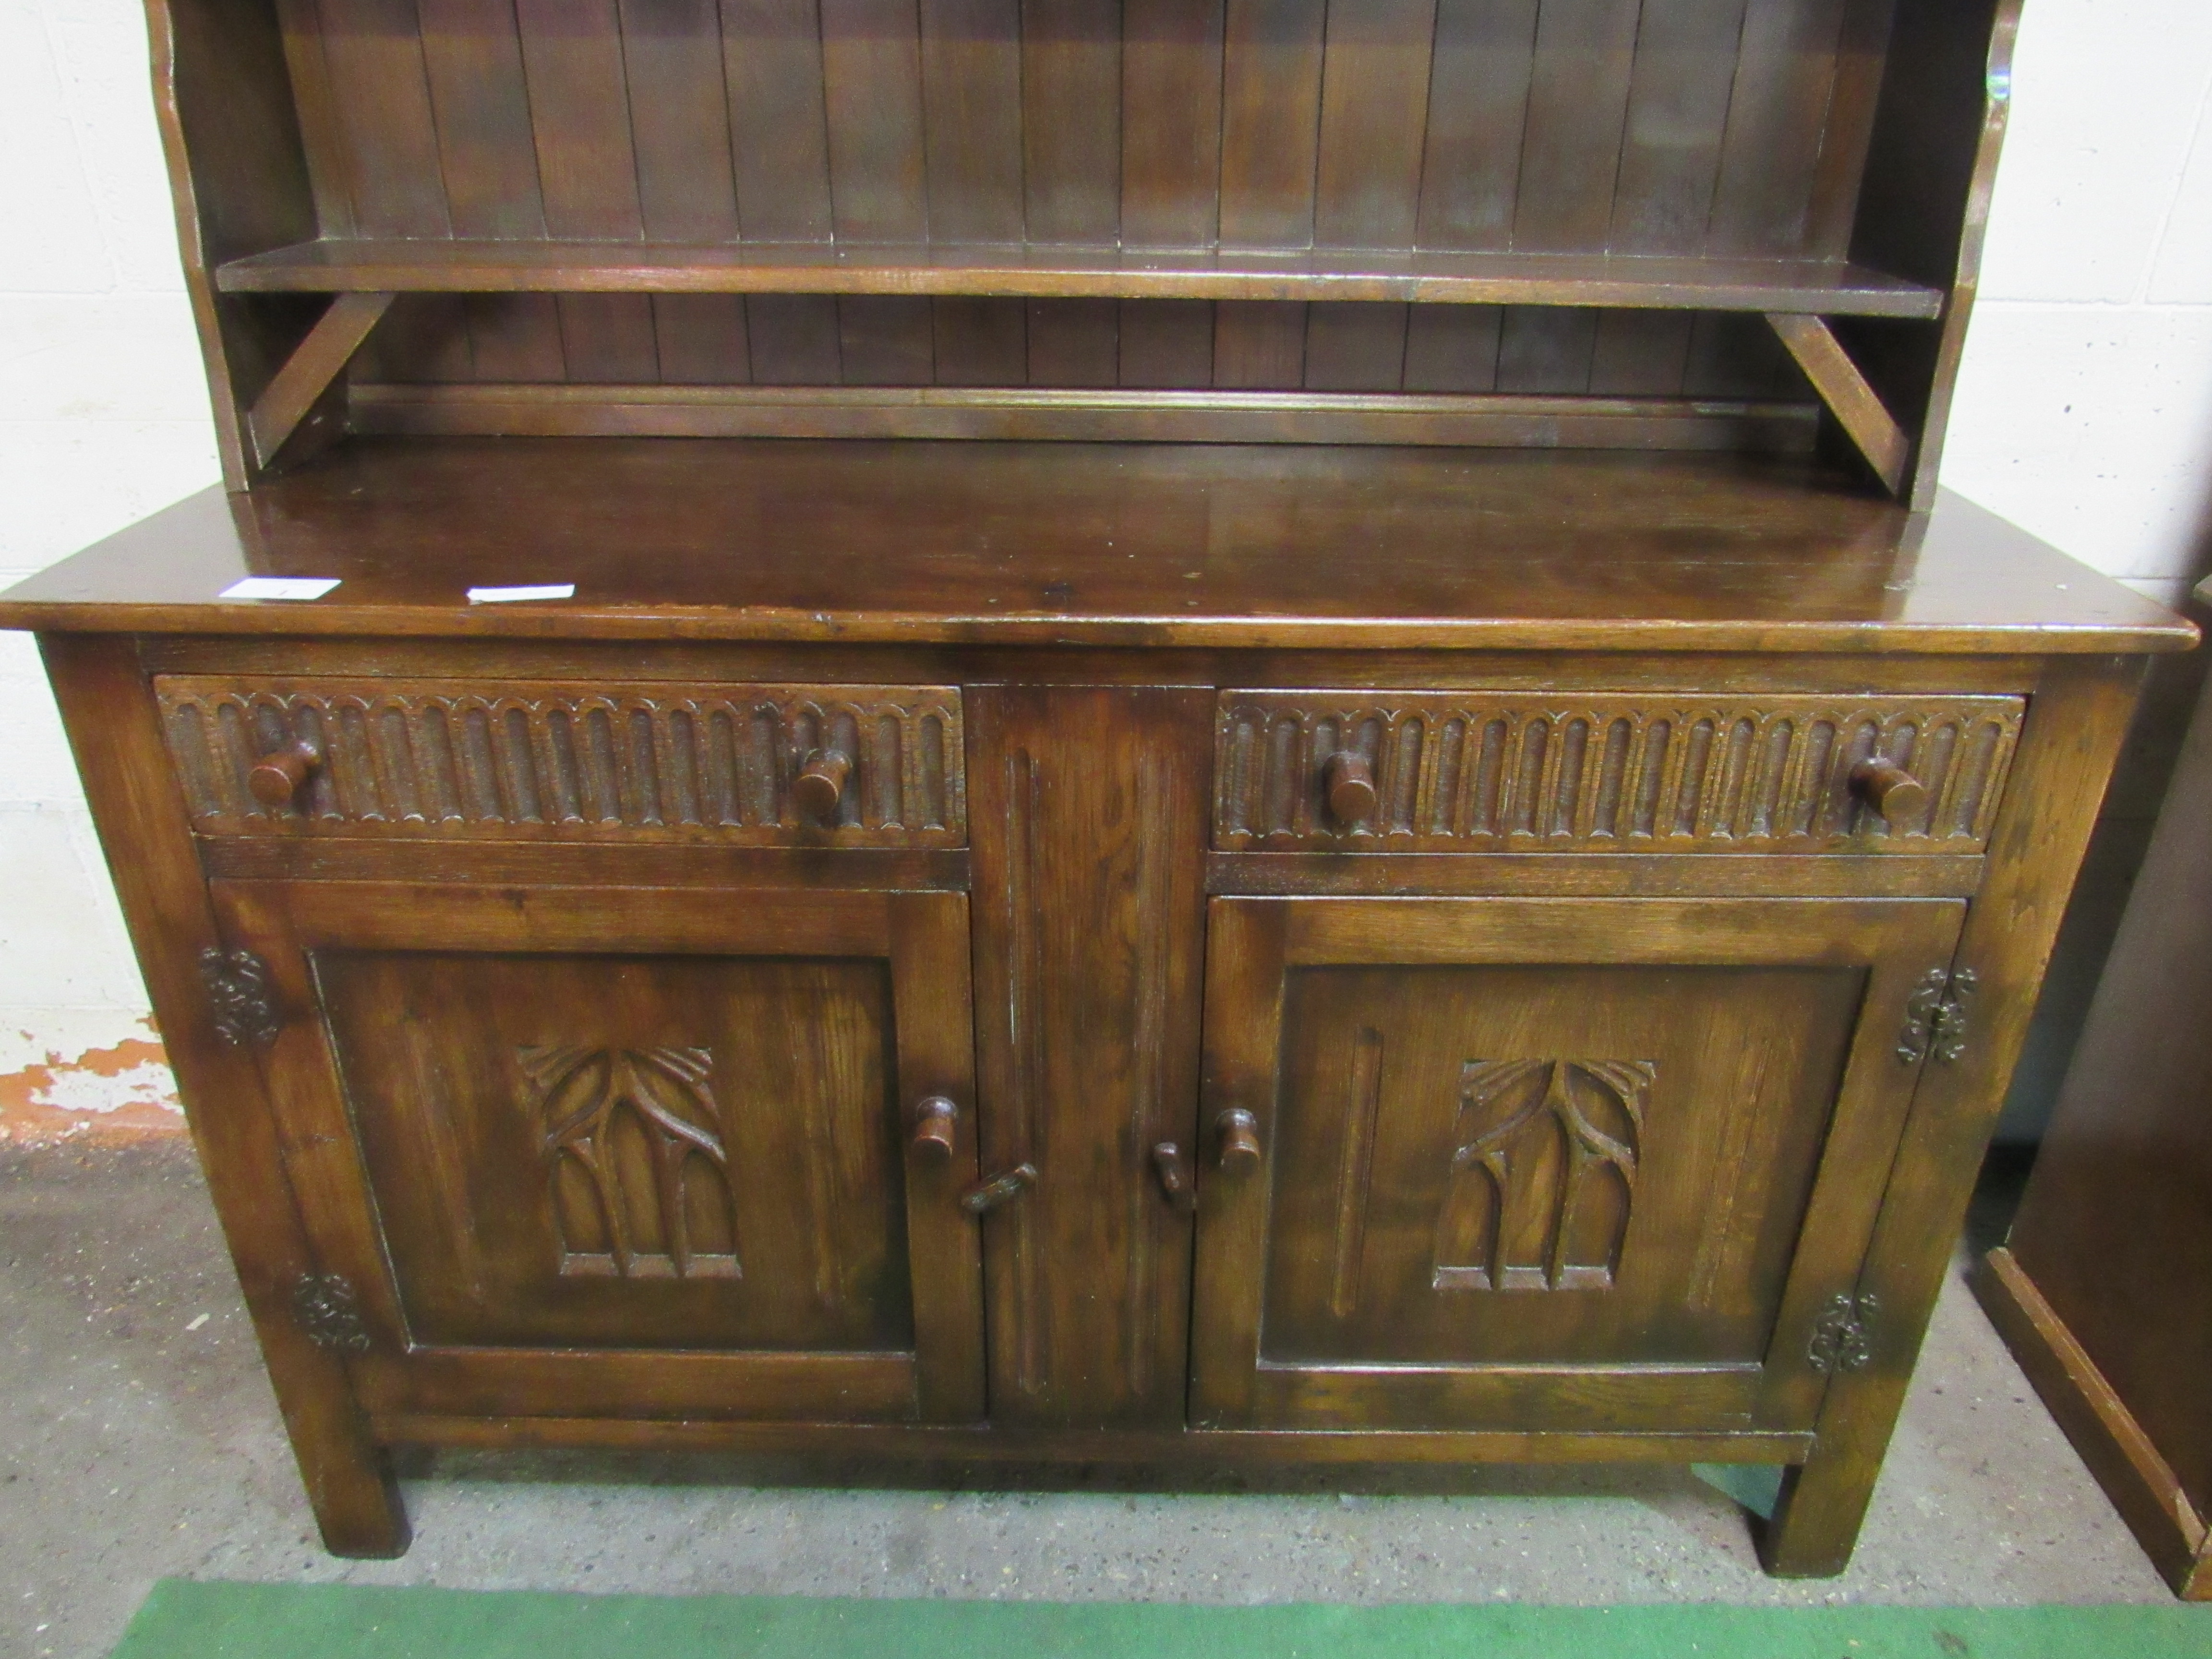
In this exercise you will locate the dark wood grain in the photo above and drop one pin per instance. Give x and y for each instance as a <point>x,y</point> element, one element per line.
<point>1071,120</point>
<point>2057,779</point>
<point>572,999</point>
<point>772,67</point>
<point>787,265</point>
<point>1478,109</point>
<point>1679,101</point>
<point>587,164</point>
<point>892,542</point>
<point>487,158</point>
<point>1374,117</point>
<point>1085,828</point>
<point>1270,123</point>
<point>971,70</point>
<point>117,743</point>
<point>1578,92</point>
<point>871,76</point>
<point>1171,57</point>
<point>679,119</point>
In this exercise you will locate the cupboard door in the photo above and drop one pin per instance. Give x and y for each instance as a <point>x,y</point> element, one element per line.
<point>593,1151</point>
<point>1544,1163</point>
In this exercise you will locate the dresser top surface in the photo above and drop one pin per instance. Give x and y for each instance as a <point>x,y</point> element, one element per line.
<point>1096,545</point>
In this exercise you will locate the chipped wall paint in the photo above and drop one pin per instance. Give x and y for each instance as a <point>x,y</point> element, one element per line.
<point>84,1075</point>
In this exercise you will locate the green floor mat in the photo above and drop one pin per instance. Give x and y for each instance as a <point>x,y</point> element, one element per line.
<point>186,1620</point>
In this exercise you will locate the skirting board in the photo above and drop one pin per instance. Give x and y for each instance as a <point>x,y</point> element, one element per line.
<point>2137,1480</point>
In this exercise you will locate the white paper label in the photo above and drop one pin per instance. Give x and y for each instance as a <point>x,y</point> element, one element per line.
<point>508,595</point>
<point>279,587</point>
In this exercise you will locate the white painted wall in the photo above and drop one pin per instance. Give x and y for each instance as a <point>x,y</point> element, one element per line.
<point>2085,412</point>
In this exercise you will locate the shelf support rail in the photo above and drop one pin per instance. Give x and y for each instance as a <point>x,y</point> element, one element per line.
<point>307,373</point>
<point>1855,403</point>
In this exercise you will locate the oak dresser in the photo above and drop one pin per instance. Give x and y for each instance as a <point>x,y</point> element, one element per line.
<point>1249,731</point>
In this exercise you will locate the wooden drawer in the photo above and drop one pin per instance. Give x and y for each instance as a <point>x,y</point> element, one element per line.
<point>1486,772</point>
<point>569,762</point>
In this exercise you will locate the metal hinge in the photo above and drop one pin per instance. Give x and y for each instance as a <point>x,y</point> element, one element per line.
<point>1843,1336</point>
<point>238,986</point>
<point>1935,1016</point>
<point>328,1312</point>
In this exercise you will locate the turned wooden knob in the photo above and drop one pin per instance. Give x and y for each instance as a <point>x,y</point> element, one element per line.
<point>1891,791</point>
<point>820,786</point>
<point>936,1124</point>
<point>275,778</point>
<point>1349,782</point>
<point>1240,1141</point>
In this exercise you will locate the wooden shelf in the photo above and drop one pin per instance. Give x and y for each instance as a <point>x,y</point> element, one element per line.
<point>1812,287</point>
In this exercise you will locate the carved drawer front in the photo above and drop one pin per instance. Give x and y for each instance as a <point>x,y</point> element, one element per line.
<point>1488,772</point>
<point>759,765</point>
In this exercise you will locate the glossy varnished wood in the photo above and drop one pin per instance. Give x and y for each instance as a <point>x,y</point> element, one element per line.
<point>1088,829</point>
<point>2058,779</point>
<point>1543,1161</point>
<point>240,1136</point>
<point>1152,545</point>
<point>613,1132</point>
<point>1043,270</point>
<point>570,1072</point>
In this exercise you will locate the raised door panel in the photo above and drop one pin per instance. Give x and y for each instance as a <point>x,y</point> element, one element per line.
<point>1545,1164</point>
<point>626,1152</point>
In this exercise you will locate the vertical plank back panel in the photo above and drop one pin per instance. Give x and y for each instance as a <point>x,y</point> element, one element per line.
<point>971,79</point>
<point>701,339</point>
<point>981,342</point>
<point>1640,354</point>
<point>1854,100</point>
<point>1452,348</point>
<point>1577,103</point>
<point>1074,342</point>
<point>871,77</point>
<point>1072,119</point>
<point>772,64</point>
<point>1730,127</point>
<point>486,151</point>
<point>1374,117</point>
<point>1777,117</point>
<point>1172,122</point>
<point>1352,347</point>
<point>1678,110</point>
<point>579,111</point>
<point>1271,76</point>
<point>1259,345</point>
<point>373,51</point>
<point>515,338</point>
<point>794,339</point>
<point>1478,109</point>
<point>608,338</point>
<point>1167,343</point>
<point>1546,350</point>
<point>883,339</point>
<point>679,119</point>
<point>322,135</point>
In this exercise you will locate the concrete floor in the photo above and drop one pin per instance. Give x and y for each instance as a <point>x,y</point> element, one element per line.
<point>141,1440</point>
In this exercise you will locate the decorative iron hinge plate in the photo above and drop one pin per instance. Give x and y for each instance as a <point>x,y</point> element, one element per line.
<point>329,1313</point>
<point>1843,1336</point>
<point>238,986</point>
<point>1936,1017</point>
